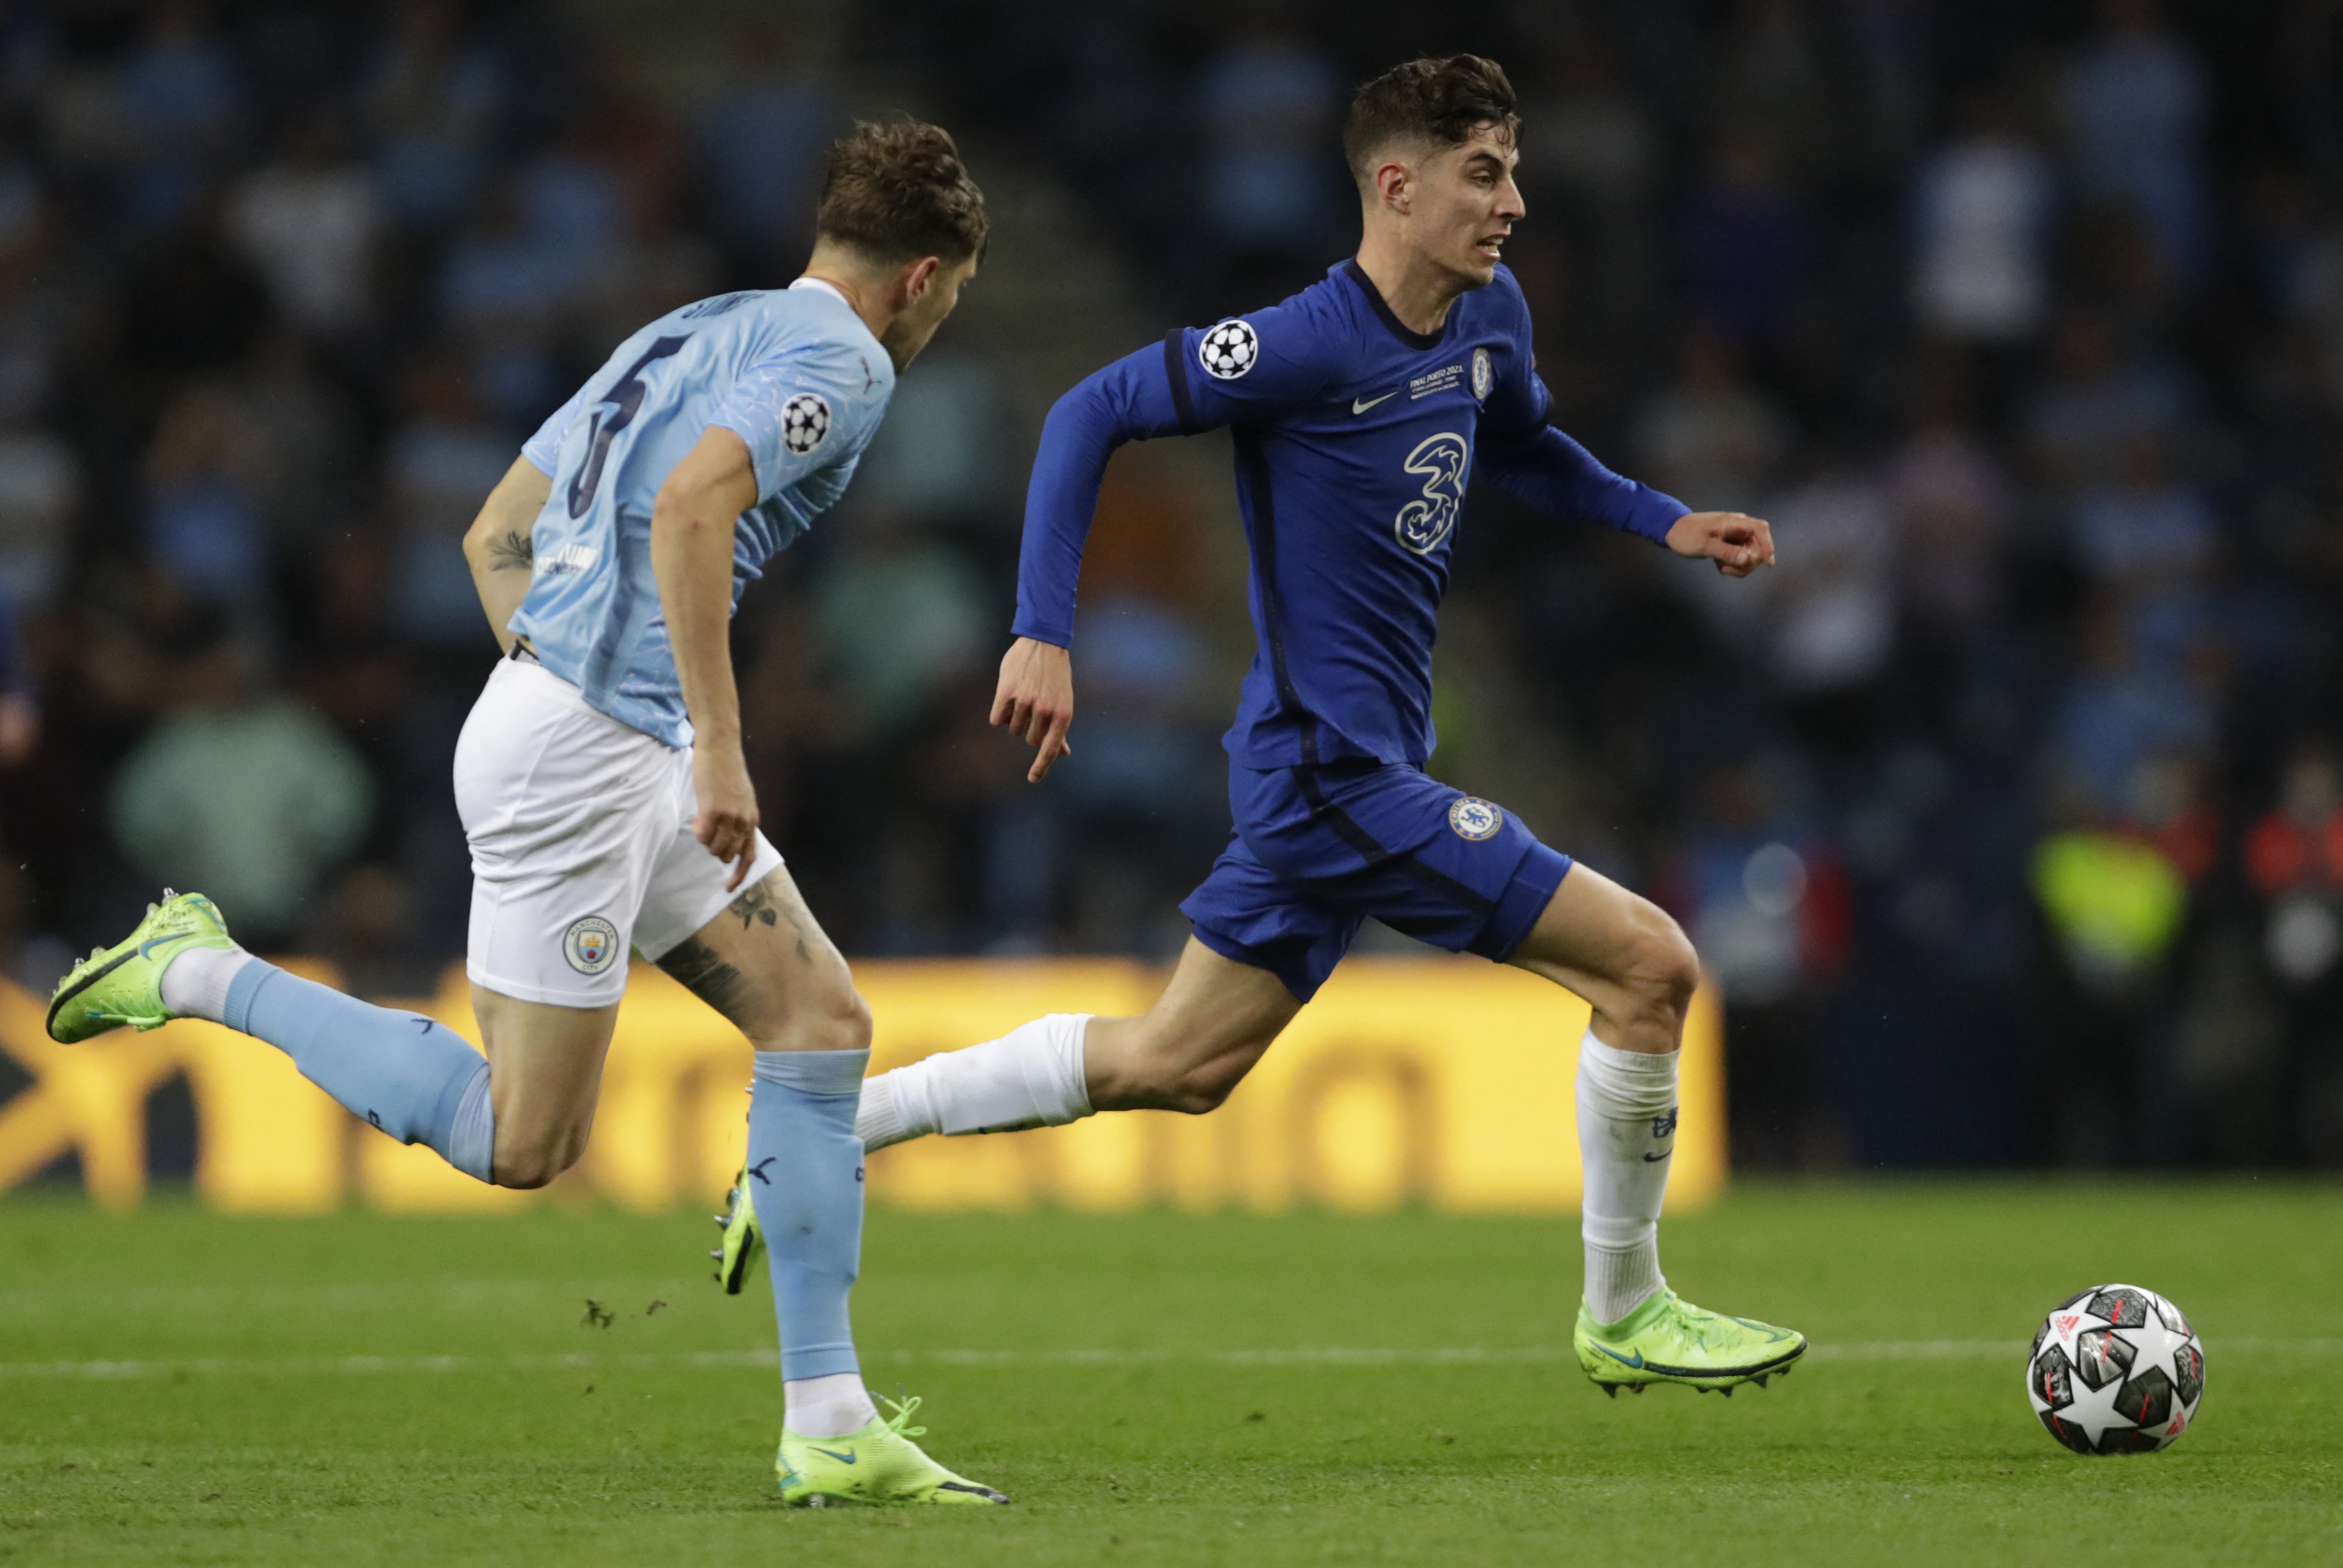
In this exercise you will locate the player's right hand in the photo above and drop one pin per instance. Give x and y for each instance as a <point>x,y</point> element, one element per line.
<point>1738,543</point>
<point>1035,701</point>
<point>726,822</point>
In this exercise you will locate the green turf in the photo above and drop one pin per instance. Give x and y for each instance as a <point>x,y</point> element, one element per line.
<point>242,1436</point>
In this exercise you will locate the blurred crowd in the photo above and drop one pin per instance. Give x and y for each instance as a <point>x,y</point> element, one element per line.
<point>2007,811</point>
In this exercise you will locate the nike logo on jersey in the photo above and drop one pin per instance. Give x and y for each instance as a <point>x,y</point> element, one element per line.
<point>1361,405</point>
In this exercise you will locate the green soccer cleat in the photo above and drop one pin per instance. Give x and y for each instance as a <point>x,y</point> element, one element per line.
<point>880,1463</point>
<point>124,984</point>
<point>742,1238</point>
<point>1669,1340</point>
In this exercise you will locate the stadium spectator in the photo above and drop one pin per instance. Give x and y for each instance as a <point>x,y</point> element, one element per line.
<point>2135,106</point>
<point>1983,206</point>
<point>312,221</point>
<point>1268,105</point>
<point>1745,239</point>
<point>442,457</point>
<point>237,790</point>
<point>762,138</point>
<point>435,100</point>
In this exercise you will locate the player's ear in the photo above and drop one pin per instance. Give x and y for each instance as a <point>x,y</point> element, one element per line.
<point>1394,183</point>
<point>918,276</point>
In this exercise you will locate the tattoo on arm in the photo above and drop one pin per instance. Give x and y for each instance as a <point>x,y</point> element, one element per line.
<point>516,551</point>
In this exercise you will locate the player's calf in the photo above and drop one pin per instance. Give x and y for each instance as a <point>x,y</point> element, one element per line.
<point>1187,1053</point>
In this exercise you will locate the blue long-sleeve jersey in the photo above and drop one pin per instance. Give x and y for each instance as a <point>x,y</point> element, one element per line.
<point>1355,438</point>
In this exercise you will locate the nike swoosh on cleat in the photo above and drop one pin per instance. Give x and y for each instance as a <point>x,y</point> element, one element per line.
<point>846,1458</point>
<point>147,948</point>
<point>76,988</point>
<point>1636,1362</point>
<point>1361,405</point>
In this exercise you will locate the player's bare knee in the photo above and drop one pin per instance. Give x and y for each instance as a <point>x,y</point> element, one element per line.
<point>837,1020</point>
<point>1197,1092</point>
<point>1662,969</point>
<point>849,1021</point>
<point>537,1165</point>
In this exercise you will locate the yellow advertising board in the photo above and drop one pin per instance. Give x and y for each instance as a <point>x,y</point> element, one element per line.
<point>1435,1080</point>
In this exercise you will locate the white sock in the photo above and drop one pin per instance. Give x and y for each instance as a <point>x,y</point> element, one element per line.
<point>1627,1135</point>
<point>830,1406</point>
<point>196,982</point>
<point>1030,1077</point>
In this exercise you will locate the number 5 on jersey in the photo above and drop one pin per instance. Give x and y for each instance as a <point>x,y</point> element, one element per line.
<point>626,400</point>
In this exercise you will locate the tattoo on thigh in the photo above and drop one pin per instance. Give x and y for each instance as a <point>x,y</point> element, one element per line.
<point>516,551</point>
<point>705,975</point>
<point>759,906</point>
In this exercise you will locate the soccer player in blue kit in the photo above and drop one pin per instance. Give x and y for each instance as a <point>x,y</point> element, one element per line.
<point>1359,409</point>
<point>604,794</point>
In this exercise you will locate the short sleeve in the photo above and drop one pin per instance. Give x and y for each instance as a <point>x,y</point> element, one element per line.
<point>801,411</point>
<point>1250,368</point>
<point>543,449</point>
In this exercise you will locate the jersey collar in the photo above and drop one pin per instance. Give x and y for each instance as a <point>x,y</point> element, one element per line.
<point>826,287</point>
<point>1418,340</point>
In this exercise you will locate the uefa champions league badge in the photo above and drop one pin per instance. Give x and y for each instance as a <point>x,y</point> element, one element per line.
<point>1483,376</point>
<point>591,945</point>
<point>1229,350</point>
<point>805,422</point>
<point>1475,818</point>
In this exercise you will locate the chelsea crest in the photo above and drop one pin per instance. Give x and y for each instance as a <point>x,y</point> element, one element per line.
<point>1475,818</point>
<point>1483,376</point>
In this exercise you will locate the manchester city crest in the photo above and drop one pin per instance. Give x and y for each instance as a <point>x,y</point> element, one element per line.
<point>1475,818</point>
<point>591,945</point>
<point>1483,376</point>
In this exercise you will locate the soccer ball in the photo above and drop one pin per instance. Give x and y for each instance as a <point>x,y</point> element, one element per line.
<point>805,420</point>
<point>1229,350</point>
<point>2116,1370</point>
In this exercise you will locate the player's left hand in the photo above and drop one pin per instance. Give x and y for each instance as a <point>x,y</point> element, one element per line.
<point>726,822</point>
<point>1738,543</point>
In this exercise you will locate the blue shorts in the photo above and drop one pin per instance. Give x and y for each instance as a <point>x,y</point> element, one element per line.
<point>1317,850</point>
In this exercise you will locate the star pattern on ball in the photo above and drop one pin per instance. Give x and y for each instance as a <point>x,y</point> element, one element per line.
<point>2115,1369</point>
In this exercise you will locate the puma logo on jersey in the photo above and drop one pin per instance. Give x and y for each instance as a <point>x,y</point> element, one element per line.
<point>1361,405</point>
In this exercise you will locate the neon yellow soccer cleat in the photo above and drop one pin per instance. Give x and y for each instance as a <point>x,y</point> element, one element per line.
<point>1667,1340</point>
<point>880,1463</point>
<point>742,1240</point>
<point>124,983</point>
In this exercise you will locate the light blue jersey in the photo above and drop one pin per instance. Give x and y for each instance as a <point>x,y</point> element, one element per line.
<point>793,372</point>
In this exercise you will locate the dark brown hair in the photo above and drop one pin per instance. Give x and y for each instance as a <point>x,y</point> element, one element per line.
<point>897,193</point>
<point>1435,103</point>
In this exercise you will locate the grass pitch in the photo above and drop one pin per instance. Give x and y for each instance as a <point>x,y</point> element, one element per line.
<point>180,1388</point>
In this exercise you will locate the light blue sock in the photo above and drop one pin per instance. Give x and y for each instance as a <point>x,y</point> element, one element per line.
<point>417,1081</point>
<point>805,1176</point>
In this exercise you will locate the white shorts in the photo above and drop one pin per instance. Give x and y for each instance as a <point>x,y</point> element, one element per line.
<point>580,828</point>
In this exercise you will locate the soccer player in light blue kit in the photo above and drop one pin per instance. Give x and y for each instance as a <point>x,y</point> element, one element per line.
<point>603,790</point>
<point>1358,410</point>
